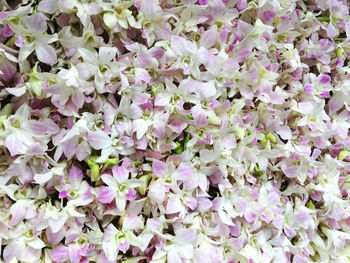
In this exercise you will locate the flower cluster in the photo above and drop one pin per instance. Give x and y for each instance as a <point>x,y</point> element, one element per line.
<point>175,131</point>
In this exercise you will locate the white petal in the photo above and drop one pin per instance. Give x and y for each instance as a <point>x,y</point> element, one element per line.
<point>42,178</point>
<point>106,54</point>
<point>46,53</point>
<point>284,132</point>
<point>99,140</point>
<point>36,243</point>
<point>48,6</point>
<point>207,156</point>
<point>110,19</point>
<point>141,127</point>
<point>17,91</point>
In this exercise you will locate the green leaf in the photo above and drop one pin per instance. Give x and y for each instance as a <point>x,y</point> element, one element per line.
<point>264,142</point>
<point>35,82</point>
<point>189,116</point>
<point>310,205</point>
<point>240,133</point>
<point>270,137</point>
<point>179,149</point>
<point>340,52</point>
<point>145,179</point>
<point>95,168</point>
<point>109,162</point>
<point>188,136</point>
<point>2,118</point>
<point>342,155</point>
<point>323,19</point>
<point>258,171</point>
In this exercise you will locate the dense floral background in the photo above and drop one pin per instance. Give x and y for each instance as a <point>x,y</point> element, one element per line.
<point>175,131</point>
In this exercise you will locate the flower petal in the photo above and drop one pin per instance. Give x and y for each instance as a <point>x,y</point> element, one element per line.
<point>141,127</point>
<point>46,53</point>
<point>18,211</point>
<point>59,254</point>
<point>209,38</point>
<point>74,254</point>
<point>183,172</point>
<point>284,132</point>
<point>199,116</point>
<point>174,205</point>
<point>106,54</point>
<point>37,22</point>
<point>15,249</point>
<point>99,140</point>
<point>159,168</point>
<point>120,173</point>
<point>43,178</point>
<point>185,236</point>
<point>291,171</point>
<point>48,6</point>
<point>75,175</point>
<point>105,194</point>
<point>14,145</point>
<point>207,156</point>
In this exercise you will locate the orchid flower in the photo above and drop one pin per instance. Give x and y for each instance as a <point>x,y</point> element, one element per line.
<point>77,191</point>
<point>98,65</point>
<point>174,131</point>
<point>117,15</point>
<point>119,187</point>
<point>25,244</point>
<point>84,9</point>
<point>21,134</point>
<point>31,37</point>
<point>154,22</point>
<point>179,247</point>
<point>115,240</point>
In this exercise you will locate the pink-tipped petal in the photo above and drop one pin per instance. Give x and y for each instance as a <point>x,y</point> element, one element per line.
<point>199,116</point>
<point>75,175</point>
<point>59,254</point>
<point>159,168</point>
<point>120,173</point>
<point>105,195</point>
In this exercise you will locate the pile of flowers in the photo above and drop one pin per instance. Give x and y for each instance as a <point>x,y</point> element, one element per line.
<point>175,131</point>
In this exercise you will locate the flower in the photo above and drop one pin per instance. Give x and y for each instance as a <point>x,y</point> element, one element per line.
<point>174,131</point>
<point>119,187</point>
<point>97,65</point>
<point>30,32</point>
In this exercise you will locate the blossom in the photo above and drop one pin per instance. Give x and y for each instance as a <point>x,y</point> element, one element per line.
<point>31,37</point>
<point>119,186</point>
<point>28,243</point>
<point>180,247</point>
<point>97,65</point>
<point>119,240</point>
<point>154,21</point>
<point>21,134</point>
<point>174,131</point>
